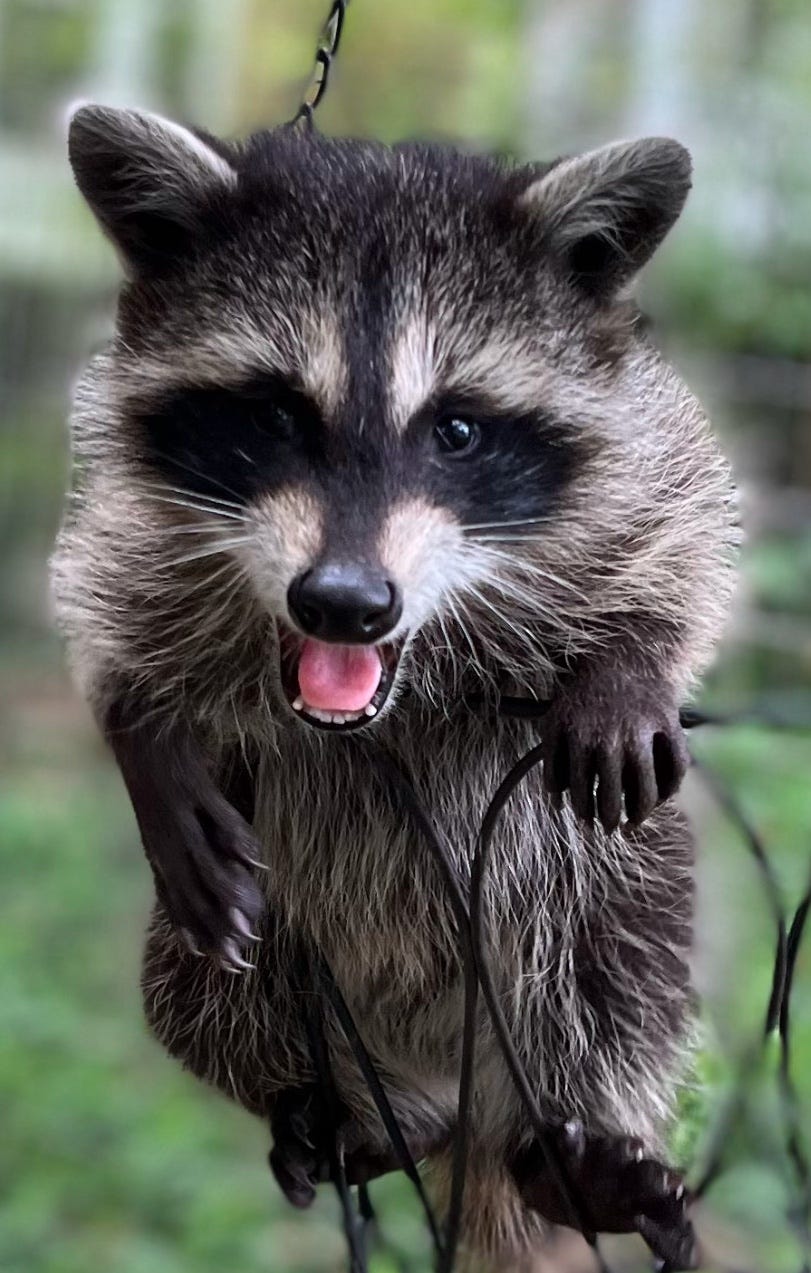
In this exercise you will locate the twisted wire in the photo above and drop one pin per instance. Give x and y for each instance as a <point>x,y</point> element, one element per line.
<point>328,44</point>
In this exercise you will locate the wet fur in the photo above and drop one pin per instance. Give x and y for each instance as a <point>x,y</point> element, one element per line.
<point>433,261</point>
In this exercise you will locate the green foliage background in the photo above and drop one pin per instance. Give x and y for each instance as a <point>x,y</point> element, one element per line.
<point>110,1157</point>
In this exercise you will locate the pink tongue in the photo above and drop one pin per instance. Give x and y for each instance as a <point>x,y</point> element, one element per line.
<point>338,678</point>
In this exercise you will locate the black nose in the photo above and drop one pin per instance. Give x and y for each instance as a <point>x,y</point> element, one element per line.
<point>344,603</point>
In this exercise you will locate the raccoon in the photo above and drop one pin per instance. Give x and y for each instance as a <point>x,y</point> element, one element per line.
<point>378,440</point>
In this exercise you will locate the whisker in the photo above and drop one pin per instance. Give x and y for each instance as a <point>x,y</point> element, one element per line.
<point>210,551</point>
<point>522,633</point>
<point>224,596</point>
<point>229,568</point>
<point>521,521</point>
<point>182,490</point>
<point>448,648</point>
<point>502,539</point>
<point>195,528</point>
<point>197,506</point>
<point>458,620</point>
<point>171,459</point>
<point>530,569</point>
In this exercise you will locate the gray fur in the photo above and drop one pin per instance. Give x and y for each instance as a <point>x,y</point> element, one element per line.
<point>172,598</point>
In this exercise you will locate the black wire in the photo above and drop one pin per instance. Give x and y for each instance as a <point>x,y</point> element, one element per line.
<point>328,45</point>
<point>777,1018</point>
<point>719,1140</point>
<point>726,799</point>
<point>794,1143</point>
<point>764,715</point>
<point>475,965</point>
<point>396,779</point>
<point>461,1144</point>
<point>469,919</point>
<point>325,980</point>
<point>314,1021</point>
<point>553,1161</point>
<point>368,1219</point>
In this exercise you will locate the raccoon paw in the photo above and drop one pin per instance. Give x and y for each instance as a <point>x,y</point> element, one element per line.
<point>619,1190</point>
<point>202,853</point>
<point>625,740</point>
<point>300,1158</point>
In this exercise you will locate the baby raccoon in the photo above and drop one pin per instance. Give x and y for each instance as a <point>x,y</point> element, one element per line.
<point>378,434</point>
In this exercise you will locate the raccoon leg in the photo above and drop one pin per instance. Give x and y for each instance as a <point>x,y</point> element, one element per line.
<point>604,1029</point>
<point>619,1188</point>
<point>201,849</point>
<point>301,1156</point>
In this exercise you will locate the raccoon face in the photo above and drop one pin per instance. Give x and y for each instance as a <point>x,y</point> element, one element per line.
<point>374,377</point>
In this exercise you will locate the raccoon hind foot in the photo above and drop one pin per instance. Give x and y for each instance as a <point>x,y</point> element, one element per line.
<point>299,1158</point>
<point>301,1155</point>
<point>620,1189</point>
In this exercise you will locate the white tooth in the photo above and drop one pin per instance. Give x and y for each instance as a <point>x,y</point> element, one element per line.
<point>298,704</point>
<point>370,709</point>
<point>337,718</point>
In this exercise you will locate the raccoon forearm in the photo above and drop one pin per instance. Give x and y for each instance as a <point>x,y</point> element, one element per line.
<point>638,648</point>
<point>200,847</point>
<point>153,755</point>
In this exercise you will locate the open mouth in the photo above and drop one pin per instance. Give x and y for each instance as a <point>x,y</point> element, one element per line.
<point>336,687</point>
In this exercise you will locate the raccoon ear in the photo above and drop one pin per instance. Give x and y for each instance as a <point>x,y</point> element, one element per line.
<point>148,181</point>
<point>607,211</point>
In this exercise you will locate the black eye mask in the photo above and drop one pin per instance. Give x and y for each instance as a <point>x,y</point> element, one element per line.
<point>490,466</point>
<point>239,442</point>
<point>483,464</point>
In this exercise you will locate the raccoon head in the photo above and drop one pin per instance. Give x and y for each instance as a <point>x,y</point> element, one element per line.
<point>382,380</point>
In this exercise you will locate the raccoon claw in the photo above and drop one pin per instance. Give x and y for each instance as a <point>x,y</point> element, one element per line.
<point>299,1159</point>
<point>609,748</point>
<point>230,959</point>
<point>616,1188</point>
<point>675,1252</point>
<point>208,893</point>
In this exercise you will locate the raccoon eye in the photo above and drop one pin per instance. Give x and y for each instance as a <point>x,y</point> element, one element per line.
<point>280,418</point>
<point>456,435</point>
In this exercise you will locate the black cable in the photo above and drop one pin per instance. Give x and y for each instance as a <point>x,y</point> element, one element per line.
<point>314,1022</point>
<point>328,45</point>
<point>475,964</point>
<point>794,1142</point>
<point>763,715</point>
<point>469,919</point>
<point>549,1149</point>
<point>396,779</point>
<point>367,1221</point>
<point>330,990</point>
<point>461,1144</point>
<point>751,837</point>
